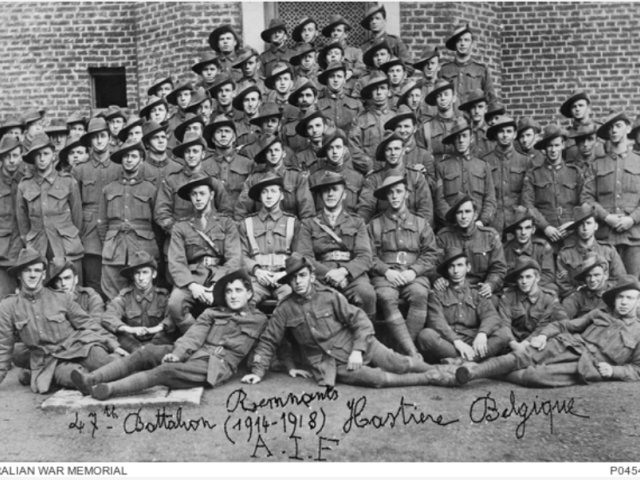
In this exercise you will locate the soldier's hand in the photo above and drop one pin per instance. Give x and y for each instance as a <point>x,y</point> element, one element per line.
<point>466,351</point>
<point>251,378</point>
<point>539,342</point>
<point>485,290</point>
<point>553,233</point>
<point>612,220</point>
<point>395,278</point>
<point>294,372</point>
<point>355,360</point>
<point>139,331</point>
<point>605,369</point>
<point>480,345</point>
<point>264,277</point>
<point>625,224</point>
<point>441,284</point>
<point>170,358</point>
<point>409,275</point>
<point>479,223</point>
<point>336,276</point>
<point>200,293</point>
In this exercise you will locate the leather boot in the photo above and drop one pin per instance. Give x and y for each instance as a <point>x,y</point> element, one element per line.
<point>416,319</point>
<point>492,367</point>
<point>119,368</point>
<point>400,333</point>
<point>125,386</point>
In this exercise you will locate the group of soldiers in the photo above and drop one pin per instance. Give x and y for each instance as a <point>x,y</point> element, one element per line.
<point>384,210</point>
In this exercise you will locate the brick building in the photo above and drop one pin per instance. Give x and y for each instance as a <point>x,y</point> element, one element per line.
<point>55,53</point>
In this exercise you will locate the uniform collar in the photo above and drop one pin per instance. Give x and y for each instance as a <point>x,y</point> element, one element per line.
<point>399,216</point>
<point>149,295</point>
<point>137,178</point>
<point>49,178</point>
<point>275,215</point>
<point>160,162</point>
<point>553,168</point>
<point>32,295</point>
<point>519,249</point>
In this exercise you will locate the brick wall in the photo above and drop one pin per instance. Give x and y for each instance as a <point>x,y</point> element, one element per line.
<point>550,49</point>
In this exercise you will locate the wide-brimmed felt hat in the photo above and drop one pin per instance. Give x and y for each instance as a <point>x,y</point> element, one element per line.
<point>152,102</point>
<point>138,260</point>
<point>39,142</point>
<point>390,180</point>
<point>453,39</point>
<point>267,110</point>
<point>190,139</point>
<point>394,61</point>
<point>603,130</point>
<point>189,119</point>
<point>32,114</point>
<point>323,77</point>
<point>626,282</point>
<point>580,214</point>
<point>302,49</point>
<point>57,266</point>
<point>328,139</point>
<point>403,113</point>
<point>114,111</point>
<point>521,214</point>
<point>440,86</point>
<point>96,125</point>
<point>501,122</point>
<point>584,130</point>
<point>524,123</point>
<point>296,33</point>
<point>460,124</point>
<point>27,257</point>
<point>301,84</point>
<point>327,179</point>
<point>200,178</point>
<point>159,79</point>
<point>592,261</point>
<point>274,24</point>
<point>389,137</point>
<point>458,201</point>
<point>219,297</point>
<point>334,21</point>
<point>219,81</point>
<point>199,96</point>
<point>523,262</point>
<point>576,95</point>
<point>9,123</point>
<point>72,142</point>
<point>278,69</point>
<point>410,86</point>
<point>172,96</point>
<point>270,179</point>
<point>301,126</point>
<point>476,95</point>
<point>427,54</point>
<point>551,132</point>
<point>322,54</point>
<point>632,134</point>
<point>238,100</point>
<point>217,32</point>
<point>206,58</point>
<point>495,108</point>
<point>293,265</point>
<point>264,145</point>
<point>370,13</point>
<point>370,83</point>
<point>9,143</point>
<point>129,145</point>
<point>243,55</point>
<point>57,126</point>
<point>216,123</point>
<point>149,129</point>
<point>450,254</point>
<point>132,121</point>
<point>380,44</point>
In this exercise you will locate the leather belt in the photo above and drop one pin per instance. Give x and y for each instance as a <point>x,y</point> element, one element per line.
<point>336,256</point>
<point>273,262</point>
<point>399,258</point>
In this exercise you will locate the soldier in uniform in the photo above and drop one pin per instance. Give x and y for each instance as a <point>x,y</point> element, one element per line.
<point>375,20</point>
<point>208,68</point>
<point>304,97</point>
<point>208,354</point>
<point>495,110</point>
<point>481,245</point>
<point>138,315</point>
<point>368,127</point>
<point>125,221</point>
<point>338,31</point>
<point>313,127</point>
<point>336,243</point>
<point>527,135</point>
<point>249,67</point>
<point>156,110</point>
<point>404,251</point>
<point>179,97</point>
<point>73,153</point>
<point>612,186</point>
<point>280,84</point>
<point>49,207</point>
<point>585,151</point>
<point>431,134</point>
<point>306,31</point>
<point>475,106</point>
<point>551,190</point>
<point>132,129</point>
<point>76,124</point>
<point>223,90</point>
<point>304,62</point>
<point>333,100</point>
<point>526,243</point>
<point>12,127</point>
<point>204,248</point>
<point>579,351</point>
<point>226,43</point>
<point>464,72</point>
<point>428,64</point>
<point>508,168</point>
<point>340,347</point>
<point>161,87</point>
<point>266,238</point>
<point>571,258</point>
<point>58,333</point>
<point>390,153</point>
<point>201,104</point>
<point>462,323</point>
<point>593,279</point>
<point>396,70</point>
<point>10,241</point>
<point>33,121</point>
<point>526,308</point>
<point>374,57</point>
<point>247,103</point>
<point>58,132</point>
<point>334,52</point>
<point>464,173</point>
<point>116,119</point>
<point>158,165</point>
<point>578,108</point>
<point>413,97</point>
<point>275,35</point>
<point>297,198</point>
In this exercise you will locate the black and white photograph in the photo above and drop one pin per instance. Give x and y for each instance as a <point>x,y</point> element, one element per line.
<point>400,234</point>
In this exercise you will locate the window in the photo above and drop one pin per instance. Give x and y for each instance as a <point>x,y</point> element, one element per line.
<point>108,87</point>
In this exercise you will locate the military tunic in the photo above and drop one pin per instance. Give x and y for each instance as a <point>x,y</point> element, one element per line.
<point>431,133</point>
<point>232,170</point>
<point>538,249</point>
<point>339,108</point>
<point>10,241</point>
<point>354,181</point>
<point>583,301</point>
<point>365,136</point>
<point>468,76</point>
